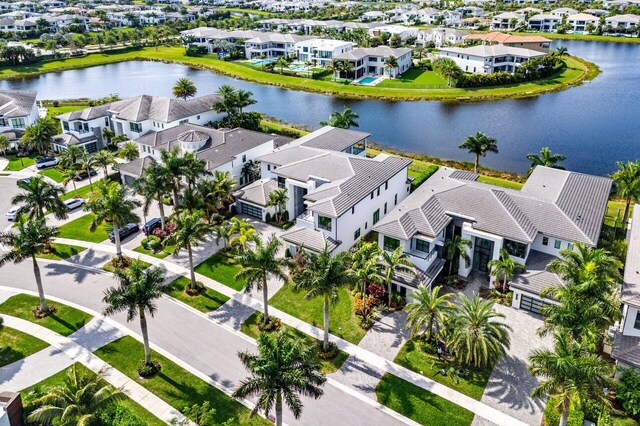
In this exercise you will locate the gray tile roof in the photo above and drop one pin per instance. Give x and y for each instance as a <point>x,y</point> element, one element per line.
<point>626,349</point>
<point>536,277</point>
<point>336,139</point>
<point>363,52</point>
<point>136,167</point>
<point>420,278</point>
<point>16,103</point>
<point>66,139</point>
<point>257,192</point>
<point>309,239</point>
<point>287,156</point>
<point>631,286</point>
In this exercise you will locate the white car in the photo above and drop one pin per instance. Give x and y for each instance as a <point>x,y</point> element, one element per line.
<point>46,162</point>
<point>12,215</point>
<point>74,203</point>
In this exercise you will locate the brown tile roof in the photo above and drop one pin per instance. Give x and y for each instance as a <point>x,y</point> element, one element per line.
<point>502,38</point>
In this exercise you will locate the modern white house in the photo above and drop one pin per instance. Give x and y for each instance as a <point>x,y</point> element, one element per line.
<point>623,23</point>
<point>580,22</point>
<point>544,22</point>
<point>553,210</point>
<point>398,30</point>
<point>371,61</point>
<point>440,37</point>
<point>564,11</point>
<point>207,37</point>
<point>18,109</point>
<point>506,21</point>
<point>321,51</point>
<point>132,117</point>
<point>272,45</point>
<point>487,59</point>
<point>532,42</point>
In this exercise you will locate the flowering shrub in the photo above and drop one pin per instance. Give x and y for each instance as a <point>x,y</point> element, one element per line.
<point>169,228</point>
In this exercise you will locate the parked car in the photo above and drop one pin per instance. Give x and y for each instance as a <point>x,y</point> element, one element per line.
<point>25,180</point>
<point>125,231</point>
<point>12,215</point>
<point>45,162</point>
<point>151,225</point>
<point>74,203</point>
<point>83,175</point>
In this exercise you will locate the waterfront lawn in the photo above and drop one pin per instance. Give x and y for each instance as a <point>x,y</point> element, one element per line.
<point>18,163</point>
<point>15,345</point>
<point>615,210</point>
<point>420,405</point>
<point>208,301</point>
<point>250,328</point>
<point>223,268</point>
<point>32,392</point>
<point>78,229</point>
<point>65,321</point>
<point>417,79</point>
<point>173,384</point>
<point>342,320</point>
<point>423,359</point>
<point>492,180</point>
<point>61,251</point>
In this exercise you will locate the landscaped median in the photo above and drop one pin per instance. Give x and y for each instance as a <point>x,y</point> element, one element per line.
<point>576,71</point>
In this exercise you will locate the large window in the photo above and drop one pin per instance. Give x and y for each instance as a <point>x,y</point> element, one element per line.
<point>356,234</point>
<point>18,123</point>
<point>324,223</point>
<point>515,248</point>
<point>376,216</point>
<point>281,182</point>
<point>390,244</point>
<point>422,245</point>
<point>135,127</point>
<point>636,324</point>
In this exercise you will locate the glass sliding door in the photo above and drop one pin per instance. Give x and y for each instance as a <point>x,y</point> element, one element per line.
<point>482,254</point>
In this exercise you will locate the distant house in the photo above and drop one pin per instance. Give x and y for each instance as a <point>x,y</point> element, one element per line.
<point>320,51</point>
<point>506,21</point>
<point>440,37</point>
<point>371,61</point>
<point>544,23</point>
<point>487,59</point>
<point>208,37</point>
<point>532,42</point>
<point>580,22</point>
<point>563,11</point>
<point>18,110</point>
<point>398,30</point>
<point>272,45</point>
<point>623,23</point>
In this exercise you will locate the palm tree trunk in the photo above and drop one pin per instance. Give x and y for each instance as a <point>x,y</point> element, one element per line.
<point>325,343</point>
<point>36,272</point>
<point>191,269</point>
<point>116,237</point>
<point>89,176</point>
<point>476,164</point>
<point>145,336</point>
<point>265,300</point>
<point>565,416</point>
<point>389,291</point>
<point>627,204</point>
<point>279,409</point>
<point>429,328</point>
<point>504,284</point>
<point>161,209</point>
<point>175,196</point>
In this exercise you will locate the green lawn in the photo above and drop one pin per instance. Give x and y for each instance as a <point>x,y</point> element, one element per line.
<point>173,384</point>
<point>492,180</point>
<point>53,174</point>
<point>15,345</point>
<point>78,229</point>
<point>420,405</point>
<point>208,301</point>
<point>109,268</point>
<point>61,251</point>
<point>421,358</point>
<point>342,320</point>
<point>65,321</point>
<point>16,163</point>
<point>32,392</point>
<point>223,269</point>
<point>250,328</point>
<point>615,211</point>
<point>416,79</point>
<point>82,192</point>
<point>159,255</point>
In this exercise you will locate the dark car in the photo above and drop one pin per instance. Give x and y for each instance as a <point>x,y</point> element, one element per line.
<point>83,175</point>
<point>151,225</point>
<point>125,231</point>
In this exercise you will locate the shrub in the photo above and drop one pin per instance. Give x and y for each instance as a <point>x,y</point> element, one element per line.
<point>267,217</point>
<point>196,51</point>
<point>169,228</point>
<point>149,370</point>
<point>628,391</point>
<point>423,176</point>
<point>330,353</point>
<point>152,243</point>
<point>285,216</point>
<point>118,415</point>
<point>377,292</point>
<point>56,104</point>
<point>199,289</point>
<point>273,324</point>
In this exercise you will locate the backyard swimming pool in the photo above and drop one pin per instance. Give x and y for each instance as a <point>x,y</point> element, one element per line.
<point>261,62</point>
<point>367,80</point>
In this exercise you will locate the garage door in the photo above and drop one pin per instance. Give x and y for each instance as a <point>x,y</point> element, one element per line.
<point>532,305</point>
<point>252,211</point>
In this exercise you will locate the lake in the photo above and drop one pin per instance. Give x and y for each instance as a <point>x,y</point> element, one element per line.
<point>594,125</point>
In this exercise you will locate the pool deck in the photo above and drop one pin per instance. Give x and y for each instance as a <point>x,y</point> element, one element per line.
<point>376,80</point>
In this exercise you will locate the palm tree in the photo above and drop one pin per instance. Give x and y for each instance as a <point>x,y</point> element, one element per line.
<point>504,267</point>
<point>154,184</point>
<point>37,196</point>
<point>324,276</point>
<point>368,272</point>
<point>394,262</point>
<point>428,310</point>
<point>479,145</point>
<point>129,151</point>
<point>33,237</point>
<point>5,144</point>
<point>258,265</point>
<point>244,98</point>
<point>138,289</point>
<point>193,168</point>
<point>108,134</point>
<point>184,89</point>
<point>39,135</point>
<point>69,157</point>
<point>190,232</point>
<point>283,369</point>
<point>475,336</point>
<point>627,185</point>
<point>174,164</point>
<point>278,198</point>
<point>562,51</point>
<point>76,402</point>
<point>104,159</point>
<point>344,120</point>
<point>242,237</point>
<point>570,373</point>
<point>391,64</point>
<point>68,175</point>
<point>282,63</point>
<point>545,158</point>
<point>110,202</point>
<point>223,233</point>
<point>456,248</point>
<point>574,266</point>
<point>86,163</point>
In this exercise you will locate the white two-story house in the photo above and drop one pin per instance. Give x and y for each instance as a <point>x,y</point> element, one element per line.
<point>272,45</point>
<point>372,60</point>
<point>553,210</point>
<point>18,109</point>
<point>487,59</point>
<point>321,51</point>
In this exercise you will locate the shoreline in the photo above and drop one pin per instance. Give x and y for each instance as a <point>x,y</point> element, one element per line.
<point>575,73</point>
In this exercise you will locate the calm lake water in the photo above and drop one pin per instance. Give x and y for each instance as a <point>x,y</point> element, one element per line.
<point>594,125</point>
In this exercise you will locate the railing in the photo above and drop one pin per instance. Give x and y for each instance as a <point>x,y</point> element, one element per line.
<point>306,216</point>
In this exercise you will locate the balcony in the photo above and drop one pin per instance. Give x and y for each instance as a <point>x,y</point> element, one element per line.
<point>306,220</point>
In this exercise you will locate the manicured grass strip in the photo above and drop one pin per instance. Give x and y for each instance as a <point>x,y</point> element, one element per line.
<point>416,79</point>
<point>18,163</point>
<point>421,358</point>
<point>614,213</point>
<point>53,174</point>
<point>65,321</point>
<point>208,301</point>
<point>342,320</point>
<point>223,269</point>
<point>420,405</point>
<point>78,229</point>
<point>15,345</point>
<point>109,268</point>
<point>173,384</point>
<point>61,251</point>
<point>81,192</point>
<point>32,392</point>
<point>250,328</point>
<point>159,255</point>
<point>492,180</point>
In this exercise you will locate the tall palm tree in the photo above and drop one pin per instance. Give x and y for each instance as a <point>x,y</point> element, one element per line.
<point>570,373</point>
<point>104,159</point>
<point>343,120</point>
<point>562,51</point>
<point>129,151</point>
<point>174,164</point>
<point>545,158</point>
<point>242,237</point>
<point>33,238</point>
<point>110,202</point>
<point>193,168</point>
<point>69,157</point>
<point>368,272</point>
<point>393,263</point>
<point>504,267</point>
<point>627,185</point>
<point>475,335</point>
<point>456,248</point>
<point>191,231</point>
<point>428,311</point>
<point>39,135</point>
<point>223,233</point>
<point>244,98</point>
<point>184,89</point>
<point>5,144</point>
<point>283,370</point>
<point>76,402</point>
<point>391,64</point>
<point>138,289</point>
<point>324,276</point>
<point>575,265</point>
<point>39,195</point>
<point>260,264</point>
<point>479,145</point>
<point>278,198</point>
<point>154,184</point>
<point>69,175</point>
